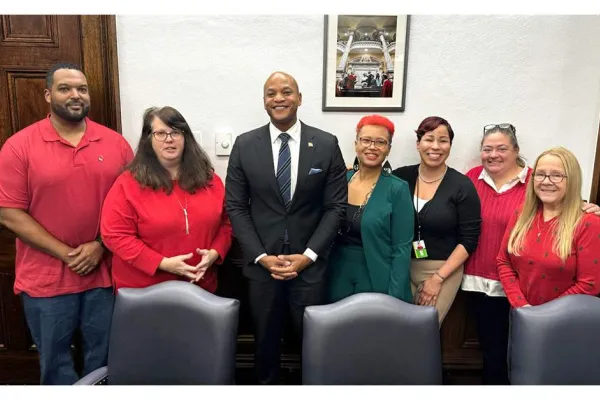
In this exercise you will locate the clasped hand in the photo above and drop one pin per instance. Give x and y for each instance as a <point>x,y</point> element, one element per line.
<point>285,267</point>
<point>428,292</point>
<point>177,265</point>
<point>85,258</point>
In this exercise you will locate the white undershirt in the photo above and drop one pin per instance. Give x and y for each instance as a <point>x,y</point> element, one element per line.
<point>419,202</point>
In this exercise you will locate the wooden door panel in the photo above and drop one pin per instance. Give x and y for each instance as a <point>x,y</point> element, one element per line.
<point>460,344</point>
<point>29,46</point>
<point>17,335</point>
<point>25,102</point>
<point>32,30</point>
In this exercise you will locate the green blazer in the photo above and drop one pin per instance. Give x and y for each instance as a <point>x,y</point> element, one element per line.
<point>387,233</point>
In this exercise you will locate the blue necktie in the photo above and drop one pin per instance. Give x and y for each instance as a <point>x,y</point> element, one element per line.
<point>284,170</point>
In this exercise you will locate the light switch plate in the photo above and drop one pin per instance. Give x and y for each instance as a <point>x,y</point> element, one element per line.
<point>223,144</point>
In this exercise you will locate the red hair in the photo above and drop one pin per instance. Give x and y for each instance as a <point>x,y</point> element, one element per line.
<point>377,120</point>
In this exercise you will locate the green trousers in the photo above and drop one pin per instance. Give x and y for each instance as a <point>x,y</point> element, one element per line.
<point>348,272</point>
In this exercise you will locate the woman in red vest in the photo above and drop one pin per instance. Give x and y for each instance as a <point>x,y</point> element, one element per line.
<point>164,218</point>
<point>501,182</point>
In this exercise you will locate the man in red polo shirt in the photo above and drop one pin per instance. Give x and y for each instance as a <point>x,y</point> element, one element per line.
<point>55,175</point>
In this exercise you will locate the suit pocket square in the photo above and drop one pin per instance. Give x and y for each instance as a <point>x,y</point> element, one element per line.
<point>314,171</point>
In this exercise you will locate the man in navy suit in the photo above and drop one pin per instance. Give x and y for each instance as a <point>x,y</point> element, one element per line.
<point>286,193</point>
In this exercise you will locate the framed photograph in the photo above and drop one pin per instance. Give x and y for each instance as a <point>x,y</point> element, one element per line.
<point>364,62</point>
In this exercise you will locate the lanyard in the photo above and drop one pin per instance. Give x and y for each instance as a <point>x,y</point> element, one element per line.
<point>417,211</point>
<point>430,200</point>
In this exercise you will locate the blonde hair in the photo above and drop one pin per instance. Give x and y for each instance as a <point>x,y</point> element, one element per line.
<point>570,214</point>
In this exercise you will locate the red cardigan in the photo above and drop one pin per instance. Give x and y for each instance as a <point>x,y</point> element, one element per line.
<point>141,226</point>
<point>538,275</point>
<point>496,210</point>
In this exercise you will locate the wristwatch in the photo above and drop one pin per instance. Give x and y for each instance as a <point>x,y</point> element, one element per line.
<point>99,240</point>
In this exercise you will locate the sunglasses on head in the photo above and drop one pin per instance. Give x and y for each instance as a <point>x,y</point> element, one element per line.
<point>491,127</point>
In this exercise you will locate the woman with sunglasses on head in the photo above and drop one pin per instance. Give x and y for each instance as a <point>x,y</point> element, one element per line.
<point>372,250</point>
<point>447,218</point>
<point>164,218</point>
<point>550,247</point>
<point>501,181</point>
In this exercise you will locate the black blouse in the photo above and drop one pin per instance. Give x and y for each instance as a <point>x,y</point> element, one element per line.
<point>351,229</point>
<point>450,218</point>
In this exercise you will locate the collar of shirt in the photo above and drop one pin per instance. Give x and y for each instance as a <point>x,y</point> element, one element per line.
<point>49,133</point>
<point>521,177</point>
<point>294,132</point>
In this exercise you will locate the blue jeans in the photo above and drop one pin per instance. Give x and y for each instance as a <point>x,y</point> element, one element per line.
<point>53,322</point>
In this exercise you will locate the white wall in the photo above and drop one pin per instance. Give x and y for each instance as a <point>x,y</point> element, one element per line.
<point>542,73</point>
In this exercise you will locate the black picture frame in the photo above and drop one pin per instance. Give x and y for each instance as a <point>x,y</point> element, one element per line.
<point>342,89</point>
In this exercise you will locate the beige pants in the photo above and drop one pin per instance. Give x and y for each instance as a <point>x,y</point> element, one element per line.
<point>421,270</point>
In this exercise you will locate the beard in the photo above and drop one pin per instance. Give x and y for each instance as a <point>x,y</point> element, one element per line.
<point>68,115</point>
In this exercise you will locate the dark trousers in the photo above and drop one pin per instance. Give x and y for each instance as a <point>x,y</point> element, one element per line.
<point>492,319</point>
<point>53,322</point>
<point>269,302</point>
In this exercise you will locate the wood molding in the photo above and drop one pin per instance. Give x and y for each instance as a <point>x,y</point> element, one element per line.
<point>100,63</point>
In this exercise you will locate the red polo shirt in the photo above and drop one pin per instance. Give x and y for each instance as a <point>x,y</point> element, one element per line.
<point>62,187</point>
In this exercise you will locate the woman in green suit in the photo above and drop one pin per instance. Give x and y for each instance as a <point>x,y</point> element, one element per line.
<point>372,250</point>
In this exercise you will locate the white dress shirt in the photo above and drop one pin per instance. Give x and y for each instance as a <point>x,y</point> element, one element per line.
<point>294,145</point>
<point>521,177</point>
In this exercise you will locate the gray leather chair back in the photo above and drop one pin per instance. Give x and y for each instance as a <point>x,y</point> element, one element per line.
<point>556,343</point>
<point>172,333</point>
<point>371,339</point>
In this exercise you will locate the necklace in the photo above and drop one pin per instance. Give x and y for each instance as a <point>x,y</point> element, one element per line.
<point>435,180</point>
<point>539,233</point>
<point>360,208</point>
<point>364,203</point>
<point>185,213</point>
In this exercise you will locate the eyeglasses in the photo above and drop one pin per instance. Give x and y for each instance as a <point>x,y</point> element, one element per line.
<point>162,136</point>
<point>491,127</point>
<point>554,177</point>
<point>500,150</point>
<point>379,143</point>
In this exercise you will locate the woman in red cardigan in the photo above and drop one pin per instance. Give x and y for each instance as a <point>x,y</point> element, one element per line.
<point>550,248</point>
<point>164,218</point>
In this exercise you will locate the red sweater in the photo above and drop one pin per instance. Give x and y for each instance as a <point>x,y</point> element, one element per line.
<point>538,275</point>
<point>496,211</point>
<point>142,226</point>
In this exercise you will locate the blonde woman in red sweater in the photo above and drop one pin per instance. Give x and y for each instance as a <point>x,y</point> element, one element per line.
<point>550,247</point>
<point>500,181</point>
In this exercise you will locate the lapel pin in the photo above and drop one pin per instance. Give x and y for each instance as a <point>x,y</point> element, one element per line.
<point>310,144</point>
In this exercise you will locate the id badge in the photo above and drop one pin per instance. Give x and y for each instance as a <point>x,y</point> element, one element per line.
<point>420,249</point>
